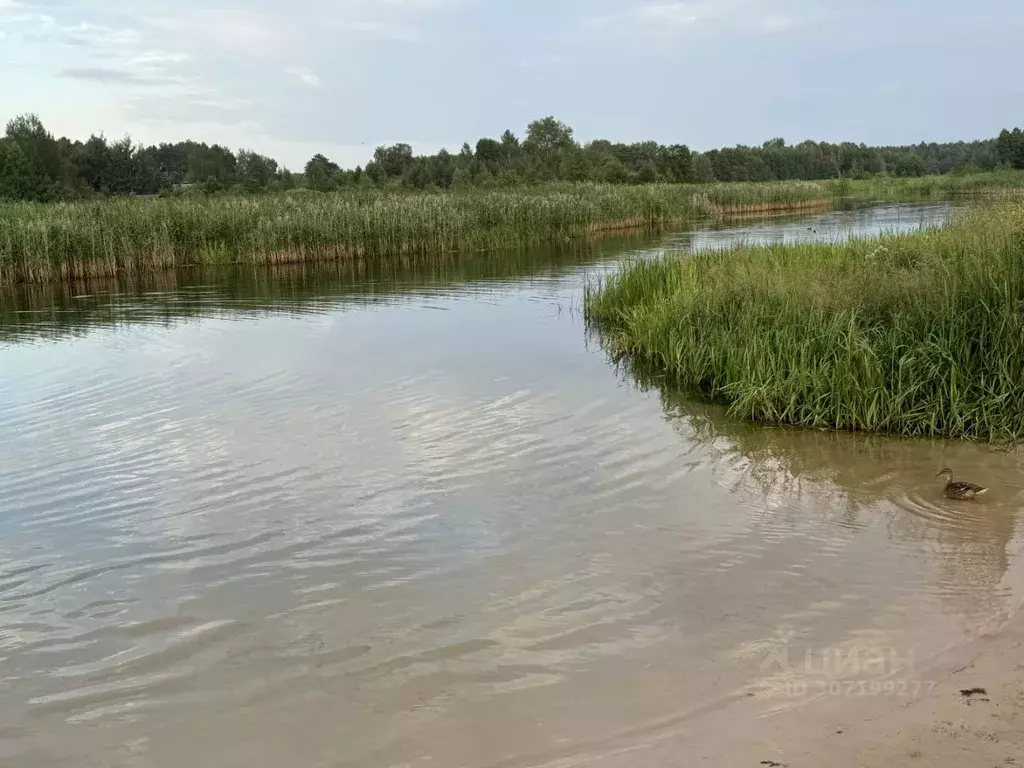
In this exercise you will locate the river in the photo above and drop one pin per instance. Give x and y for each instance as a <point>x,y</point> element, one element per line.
<point>396,516</point>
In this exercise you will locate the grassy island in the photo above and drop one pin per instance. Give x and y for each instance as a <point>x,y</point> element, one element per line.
<point>914,334</point>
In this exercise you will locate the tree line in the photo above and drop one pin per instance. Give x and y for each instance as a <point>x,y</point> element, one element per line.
<point>34,165</point>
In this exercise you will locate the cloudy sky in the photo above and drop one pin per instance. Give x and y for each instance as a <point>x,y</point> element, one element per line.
<point>293,77</point>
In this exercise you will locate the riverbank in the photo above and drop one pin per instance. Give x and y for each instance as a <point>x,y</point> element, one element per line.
<point>85,240</point>
<point>918,334</point>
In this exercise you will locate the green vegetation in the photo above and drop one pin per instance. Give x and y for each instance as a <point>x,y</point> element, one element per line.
<point>87,239</point>
<point>919,334</point>
<point>103,237</point>
<point>1002,183</point>
<point>36,166</point>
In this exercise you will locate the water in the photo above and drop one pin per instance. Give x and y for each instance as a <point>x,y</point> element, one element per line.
<point>384,517</point>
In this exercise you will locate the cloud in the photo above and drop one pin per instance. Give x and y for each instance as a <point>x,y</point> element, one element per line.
<point>665,20</point>
<point>106,75</point>
<point>653,17</point>
<point>99,36</point>
<point>159,58</point>
<point>385,30</point>
<point>304,75</point>
<point>253,33</point>
<point>43,21</point>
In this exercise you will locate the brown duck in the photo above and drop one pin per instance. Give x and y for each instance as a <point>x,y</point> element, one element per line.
<point>960,489</point>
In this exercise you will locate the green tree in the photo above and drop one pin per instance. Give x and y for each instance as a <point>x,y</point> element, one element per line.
<point>441,169</point>
<point>255,171</point>
<point>546,136</point>
<point>46,173</point>
<point>490,154</point>
<point>92,161</point>
<point>676,163</point>
<point>510,147</point>
<point>15,172</point>
<point>462,178</point>
<point>703,171</point>
<point>612,171</point>
<point>1010,147</point>
<point>573,165</point>
<point>213,165</point>
<point>321,173</point>
<point>392,161</point>
<point>908,164</point>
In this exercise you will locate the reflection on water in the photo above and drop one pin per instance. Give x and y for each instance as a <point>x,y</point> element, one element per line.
<point>368,517</point>
<point>832,227</point>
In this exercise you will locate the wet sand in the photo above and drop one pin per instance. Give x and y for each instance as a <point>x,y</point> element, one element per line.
<point>968,712</point>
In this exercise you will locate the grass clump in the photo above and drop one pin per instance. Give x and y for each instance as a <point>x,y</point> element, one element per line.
<point>913,334</point>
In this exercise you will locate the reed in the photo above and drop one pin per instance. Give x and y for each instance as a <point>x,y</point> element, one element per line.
<point>913,334</point>
<point>87,240</point>
<point>997,184</point>
<point>102,238</point>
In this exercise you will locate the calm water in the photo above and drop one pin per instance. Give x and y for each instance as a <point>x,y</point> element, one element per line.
<point>340,516</point>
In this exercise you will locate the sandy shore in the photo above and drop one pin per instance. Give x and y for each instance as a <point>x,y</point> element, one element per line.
<point>973,716</point>
<point>970,714</point>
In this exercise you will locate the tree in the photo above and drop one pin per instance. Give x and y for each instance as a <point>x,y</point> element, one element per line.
<point>1010,147</point>
<point>612,171</point>
<point>34,165</point>
<point>417,175</point>
<point>15,172</point>
<point>462,178</point>
<point>908,164</point>
<point>45,172</point>
<point>321,173</point>
<point>676,162</point>
<point>574,165</point>
<point>127,169</point>
<point>214,165</point>
<point>255,171</point>
<point>441,169</point>
<point>509,147</point>
<point>648,173</point>
<point>489,153</point>
<point>92,161</point>
<point>392,161</point>
<point>703,171</point>
<point>546,136</point>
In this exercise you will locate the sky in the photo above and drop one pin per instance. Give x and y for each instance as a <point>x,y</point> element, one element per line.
<point>290,78</point>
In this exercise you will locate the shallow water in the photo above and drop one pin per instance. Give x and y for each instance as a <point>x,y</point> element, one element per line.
<point>381,517</point>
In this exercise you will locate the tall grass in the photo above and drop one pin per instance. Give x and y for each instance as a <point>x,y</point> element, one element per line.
<point>915,334</point>
<point>85,240</point>
<point>997,184</point>
<point>43,243</point>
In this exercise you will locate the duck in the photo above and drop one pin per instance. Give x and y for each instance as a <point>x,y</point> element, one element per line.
<point>959,489</point>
